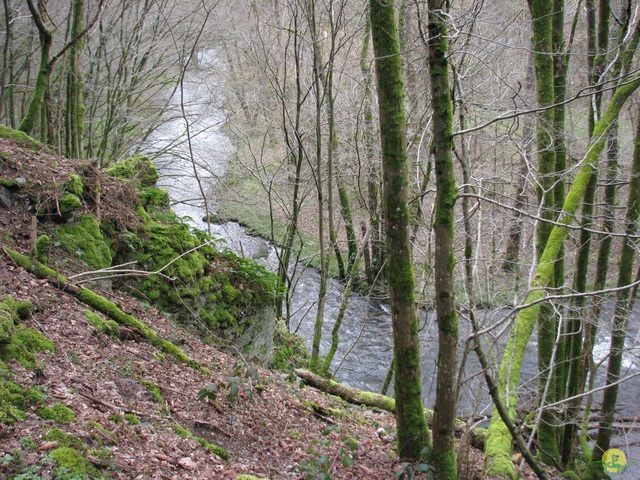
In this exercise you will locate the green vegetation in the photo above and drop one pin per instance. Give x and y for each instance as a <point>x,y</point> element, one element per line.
<point>215,449</point>
<point>84,239</point>
<point>16,341</point>
<point>10,133</point>
<point>43,249</point>
<point>108,327</point>
<point>156,393</point>
<point>289,350</point>
<point>71,459</point>
<point>139,168</point>
<point>58,413</point>
<point>64,439</point>
<point>74,185</point>
<point>68,203</point>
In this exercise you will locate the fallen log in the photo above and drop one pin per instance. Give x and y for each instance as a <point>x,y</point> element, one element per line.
<point>102,305</point>
<point>359,397</point>
<point>351,395</point>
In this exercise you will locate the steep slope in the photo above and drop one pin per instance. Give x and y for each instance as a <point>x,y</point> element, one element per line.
<point>132,410</point>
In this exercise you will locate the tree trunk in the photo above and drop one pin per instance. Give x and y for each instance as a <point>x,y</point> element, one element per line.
<point>542,23</point>
<point>498,447</point>
<point>412,430</point>
<point>621,314</point>
<point>74,115</point>
<point>446,191</point>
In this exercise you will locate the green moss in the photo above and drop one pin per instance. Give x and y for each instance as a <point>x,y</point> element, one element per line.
<point>10,133</point>
<point>58,413</point>
<point>85,240</point>
<point>68,203</point>
<point>72,460</point>
<point>25,309</point>
<point>156,393</point>
<point>132,419</point>
<point>181,431</point>
<point>74,185</point>
<point>289,350</point>
<point>64,439</point>
<point>139,168</point>
<point>153,197</point>
<point>43,249</point>
<point>108,327</point>
<point>10,184</point>
<point>24,343</point>
<point>14,401</point>
<point>215,449</point>
<point>104,433</point>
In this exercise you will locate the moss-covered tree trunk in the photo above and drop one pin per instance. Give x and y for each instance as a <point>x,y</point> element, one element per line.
<point>314,363</point>
<point>498,446</point>
<point>74,114</point>
<point>580,333</point>
<point>446,190</point>
<point>44,71</point>
<point>412,430</point>
<point>542,39</point>
<point>621,314</point>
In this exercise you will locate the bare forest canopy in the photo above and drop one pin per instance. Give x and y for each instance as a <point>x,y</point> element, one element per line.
<point>518,137</point>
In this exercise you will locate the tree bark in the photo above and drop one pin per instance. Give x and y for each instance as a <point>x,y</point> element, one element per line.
<point>446,385</point>
<point>412,430</point>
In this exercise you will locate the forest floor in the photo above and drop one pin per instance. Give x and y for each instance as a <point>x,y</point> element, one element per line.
<point>133,404</point>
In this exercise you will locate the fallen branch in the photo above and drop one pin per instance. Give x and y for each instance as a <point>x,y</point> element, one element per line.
<point>103,305</point>
<point>351,395</point>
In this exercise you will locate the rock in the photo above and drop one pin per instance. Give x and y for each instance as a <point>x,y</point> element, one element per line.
<point>5,198</point>
<point>257,339</point>
<point>261,250</point>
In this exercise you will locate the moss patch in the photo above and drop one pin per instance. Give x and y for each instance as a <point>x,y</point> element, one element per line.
<point>58,413</point>
<point>10,133</point>
<point>16,341</point>
<point>72,460</point>
<point>74,185</point>
<point>108,327</point>
<point>139,168</point>
<point>85,240</point>
<point>43,249</point>
<point>215,449</point>
<point>68,203</point>
<point>64,439</point>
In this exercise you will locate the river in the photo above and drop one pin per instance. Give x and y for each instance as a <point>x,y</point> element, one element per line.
<point>365,350</point>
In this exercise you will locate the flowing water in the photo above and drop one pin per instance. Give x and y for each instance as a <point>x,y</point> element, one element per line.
<point>365,350</point>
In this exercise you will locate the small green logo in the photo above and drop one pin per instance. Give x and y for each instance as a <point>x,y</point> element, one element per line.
<point>614,462</point>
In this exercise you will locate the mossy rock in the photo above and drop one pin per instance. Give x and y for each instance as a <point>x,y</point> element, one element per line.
<point>43,249</point>
<point>153,197</point>
<point>139,168</point>
<point>10,133</point>
<point>84,239</point>
<point>58,413</point>
<point>68,203</point>
<point>74,185</point>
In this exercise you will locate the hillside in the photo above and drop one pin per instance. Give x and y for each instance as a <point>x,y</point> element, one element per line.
<point>105,400</point>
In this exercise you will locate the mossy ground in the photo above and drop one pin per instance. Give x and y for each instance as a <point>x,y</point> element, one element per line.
<point>85,240</point>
